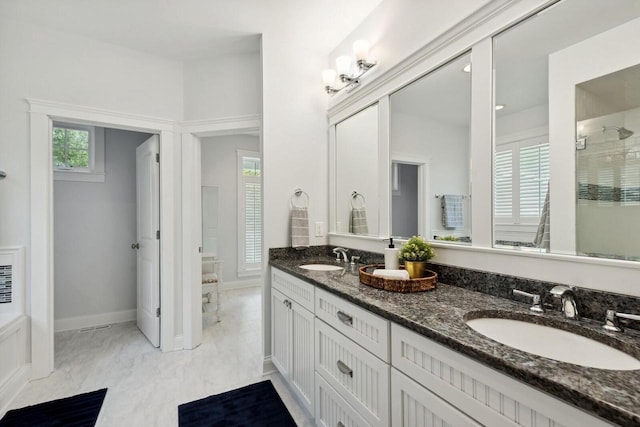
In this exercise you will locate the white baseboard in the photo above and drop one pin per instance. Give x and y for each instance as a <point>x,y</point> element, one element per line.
<point>178,342</point>
<point>240,284</point>
<point>12,386</point>
<point>268,367</point>
<point>73,323</point>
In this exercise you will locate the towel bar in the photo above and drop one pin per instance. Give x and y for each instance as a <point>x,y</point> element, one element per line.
<point>440,195</point>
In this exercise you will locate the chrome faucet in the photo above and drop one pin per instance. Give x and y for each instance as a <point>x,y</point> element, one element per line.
<point>536,307</point>
<point>611,320</point>
<point>342,251</point>
<point>568,303</point>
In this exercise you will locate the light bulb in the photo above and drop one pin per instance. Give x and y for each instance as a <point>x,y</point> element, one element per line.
<point>343,64</point>
<point>329,77</point>
<point>361,49</point>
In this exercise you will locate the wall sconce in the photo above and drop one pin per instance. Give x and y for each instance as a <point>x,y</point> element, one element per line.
<point>343,69</point>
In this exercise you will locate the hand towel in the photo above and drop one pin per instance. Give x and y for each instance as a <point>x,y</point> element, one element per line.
<point>392,274</point>
<point>544,228</point>
<point>358,221</point>
<point>452,216</point>
<point>299,228</point>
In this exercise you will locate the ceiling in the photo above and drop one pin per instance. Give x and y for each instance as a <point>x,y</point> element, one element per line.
<point>194,29</point>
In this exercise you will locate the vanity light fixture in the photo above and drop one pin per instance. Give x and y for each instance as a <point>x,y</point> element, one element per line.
<point>500,107</point>
<point>343,71</point>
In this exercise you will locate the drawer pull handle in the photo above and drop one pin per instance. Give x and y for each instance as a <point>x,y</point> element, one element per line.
<point>345,318</point>
<point>340,424</point>
<point>344,368</point>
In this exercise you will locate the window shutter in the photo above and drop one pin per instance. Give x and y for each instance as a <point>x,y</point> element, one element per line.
<point>504,184</point>
<point>534,176</point>
<point>253,225</point>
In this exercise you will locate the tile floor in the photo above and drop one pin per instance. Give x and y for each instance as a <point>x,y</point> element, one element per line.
<point>145,385</point>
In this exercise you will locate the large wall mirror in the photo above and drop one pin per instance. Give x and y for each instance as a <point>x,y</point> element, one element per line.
<point>356,194</point>
<point>567,162</point>
<point>429,145</point>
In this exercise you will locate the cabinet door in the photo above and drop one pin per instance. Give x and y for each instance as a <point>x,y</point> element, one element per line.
<point>280,333</point>
<point>302,354</point>
<point>357,375</point>
<point>414,406</point>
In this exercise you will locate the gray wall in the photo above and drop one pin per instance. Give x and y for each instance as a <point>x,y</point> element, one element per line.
<point>94,226</point>
<point>219,160</point>
<point>404,203</point>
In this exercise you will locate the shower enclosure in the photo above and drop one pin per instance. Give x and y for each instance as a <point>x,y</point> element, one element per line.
<point>608,169</point>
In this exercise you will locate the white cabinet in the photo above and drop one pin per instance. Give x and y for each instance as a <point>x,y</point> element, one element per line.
<point>414,406</point>
<point>486,395</point>
<point>332,410</point>
<point>292,344</point>
<point>359,376</point>
<point>363,327</point>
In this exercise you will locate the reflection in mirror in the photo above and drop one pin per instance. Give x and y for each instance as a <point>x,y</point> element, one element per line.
<point>210,220</point>
<point>357,173</point>
<point>429,139</point>
<point>608,165</point>
<point>523,137</point>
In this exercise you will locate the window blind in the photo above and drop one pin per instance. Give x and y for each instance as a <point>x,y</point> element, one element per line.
<point>252,223</point>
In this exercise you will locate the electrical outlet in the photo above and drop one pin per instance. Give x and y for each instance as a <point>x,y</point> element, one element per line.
<point>319,229</point>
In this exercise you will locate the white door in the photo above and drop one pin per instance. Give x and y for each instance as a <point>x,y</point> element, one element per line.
<point>148,239</point>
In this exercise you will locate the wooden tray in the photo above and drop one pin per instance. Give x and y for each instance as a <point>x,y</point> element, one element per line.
<point>393,285</point>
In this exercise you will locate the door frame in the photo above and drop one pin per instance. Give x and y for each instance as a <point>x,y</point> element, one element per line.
<point>424,189</point>
<point>40,263</point>
<point>192,212</point>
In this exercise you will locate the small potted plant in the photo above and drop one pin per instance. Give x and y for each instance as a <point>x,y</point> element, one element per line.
<point>415,254</point>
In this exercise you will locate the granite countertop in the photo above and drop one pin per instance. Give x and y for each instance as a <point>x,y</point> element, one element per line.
<point>440,315</point>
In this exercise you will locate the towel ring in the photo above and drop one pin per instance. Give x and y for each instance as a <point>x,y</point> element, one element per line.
<point>354,196</point>
<point>297,193</point>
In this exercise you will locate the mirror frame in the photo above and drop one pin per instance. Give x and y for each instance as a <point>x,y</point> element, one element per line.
<point>475,33</point>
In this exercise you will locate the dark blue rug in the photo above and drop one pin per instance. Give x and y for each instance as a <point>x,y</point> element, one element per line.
<point>256,405</point>
<point>76,411</point>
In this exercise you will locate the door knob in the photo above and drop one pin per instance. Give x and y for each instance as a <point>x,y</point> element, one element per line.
<point>135,246</point>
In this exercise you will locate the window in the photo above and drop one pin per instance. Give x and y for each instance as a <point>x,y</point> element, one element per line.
<point>521,180</point>
<point>78,152</point>
<point>250,213</point>
<point>71,148</point>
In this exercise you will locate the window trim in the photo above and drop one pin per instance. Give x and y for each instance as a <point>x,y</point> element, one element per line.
<point>96,170</point>
<point>243,269</point>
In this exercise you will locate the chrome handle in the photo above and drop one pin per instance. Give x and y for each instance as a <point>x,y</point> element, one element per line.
<point>345,318</point>
<point>536,307</point>
<point>354,259</point>
<point>135,246</point>
<point>628,316</point>
<point>344,368</point>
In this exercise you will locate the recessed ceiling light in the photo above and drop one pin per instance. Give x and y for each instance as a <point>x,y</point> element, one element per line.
<point>467,68</point>
<point>500,107</point>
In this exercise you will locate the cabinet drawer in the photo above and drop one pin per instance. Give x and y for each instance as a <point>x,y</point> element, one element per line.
<point>294,288</point>
<point>332,410</point>
<point>486,395</point>
<point>357,375</point>
<point>362,326</point>
<point>414,406</point>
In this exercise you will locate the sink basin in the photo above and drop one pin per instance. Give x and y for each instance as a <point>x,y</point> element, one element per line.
<point>554,343</point>
<point>321,267</point>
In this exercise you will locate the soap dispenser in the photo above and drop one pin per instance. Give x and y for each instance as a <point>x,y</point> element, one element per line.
<point>391,256</point>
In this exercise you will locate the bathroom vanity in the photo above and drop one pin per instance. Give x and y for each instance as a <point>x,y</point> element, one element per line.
<point>379,358</point>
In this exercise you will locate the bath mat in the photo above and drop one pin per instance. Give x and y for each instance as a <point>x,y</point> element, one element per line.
<point>77,411</point>
<point>256,405</point>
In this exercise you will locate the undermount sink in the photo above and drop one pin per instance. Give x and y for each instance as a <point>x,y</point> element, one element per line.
<point>554,343</point>
<point>321,267</point>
